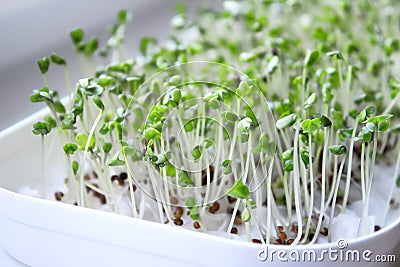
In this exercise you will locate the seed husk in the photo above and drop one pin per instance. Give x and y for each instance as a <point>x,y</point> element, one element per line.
<point>174,200</point>
<point>196,225</point>
<point>231,199</point>
<point>59,195</point>
<point>234,230</point>
<point>178,212</point>
<point>237,221</point>
<point>214,207</point>
<point>282,236</point>
<point>324,231</point>
<point>178,221</point>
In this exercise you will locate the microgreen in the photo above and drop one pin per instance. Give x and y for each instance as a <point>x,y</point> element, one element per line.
<point>192,134</point>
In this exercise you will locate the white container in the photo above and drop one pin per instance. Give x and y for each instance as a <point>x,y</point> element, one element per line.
<point>43,233</point>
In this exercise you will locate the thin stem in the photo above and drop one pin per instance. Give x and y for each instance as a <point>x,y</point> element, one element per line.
<point>349,167</point>
<point>83,162</point>
<point>296,179</point>
<point>322,209</point>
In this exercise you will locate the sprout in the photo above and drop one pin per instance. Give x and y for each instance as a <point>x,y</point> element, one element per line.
<point>277,134</point>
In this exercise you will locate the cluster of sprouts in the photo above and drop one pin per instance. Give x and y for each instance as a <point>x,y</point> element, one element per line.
<point>264,118</point>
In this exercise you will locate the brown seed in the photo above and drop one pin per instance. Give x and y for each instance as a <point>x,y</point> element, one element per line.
<point>114,178</point>
<point>86,177</point>
<point>178,212</point>
<point>214,207</point>
<point>166,221</point>
<point>174,200</point>
<point>257,241</point>
<point>231,199</point>
<point>58,195</point>
<point>324,231</point>
<point>238,220</point>
<point>282,236</point>
<point>123,175</point>
<point>234,230</point>
<point>196,225</point>
<point>229,210</point>
<point>290,241</point>
<point>377,228</point>
<point>76,204</point>
<point>295,228</point>
<point>95,175</point>
<point>279,242</point>
<point>102,199</point>
<point>133,187</point>
<point>178,221</point>
<point>281,229</point>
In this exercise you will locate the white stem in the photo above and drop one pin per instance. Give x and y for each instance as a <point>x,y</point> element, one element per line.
<point>322,208</point>
<point>349,165</point>
<point>296,178</point>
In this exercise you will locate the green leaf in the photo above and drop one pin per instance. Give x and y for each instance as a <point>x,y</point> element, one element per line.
<point>238,190</point>
<point>379,118</point>
<point>97,101</point>
<point>305,157</point>
<point>325,122</point>
<point>383,126</point>
<point>43,64</point>
<point>310,101</point>
<point>170,170</point>
<point>226,166</point>
<point>52,122</point>
<point>229,116</point>
<point>76,36</point>
<point>75,166</point>
<point>191,203</point>
<point>70,148</point>
<point>59,107</point>
<point>105,80</point>
<point>394,83</point>
<point>145,43</point>
<point>196,152</point>
<point>151,133</point>
<point>41,128</point>
<point>336,54</point>
<point>57,59</point>
<point>184,179</point>
<point>246,215</point>
<point>311,57</point>
<point>115,161</point>
<point>81,140</point>
<point>311,126</point>
<point>338,149</point>
<point>286,121</point>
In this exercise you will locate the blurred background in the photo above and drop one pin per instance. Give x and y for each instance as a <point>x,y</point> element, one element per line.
<point>31,29</point>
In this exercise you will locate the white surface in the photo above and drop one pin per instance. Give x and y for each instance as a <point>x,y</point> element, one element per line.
<point>7,261</point>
